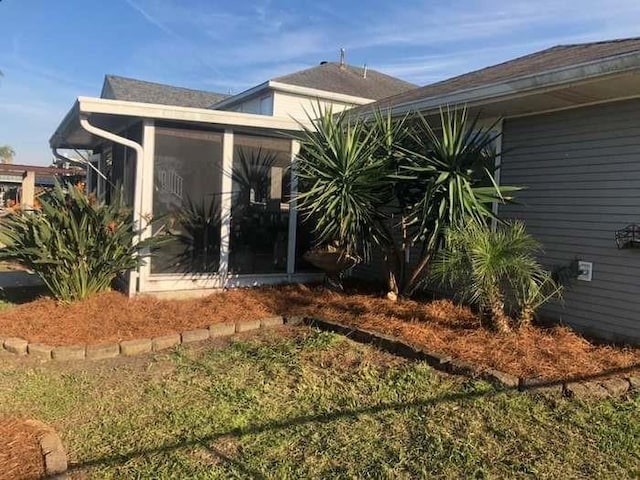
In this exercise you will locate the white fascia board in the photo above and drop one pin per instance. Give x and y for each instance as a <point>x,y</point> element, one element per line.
<point>294,89</point>
<point>522,86</point>
<point>315,93</point>
<point>187,114</point>
<point>68,118</point>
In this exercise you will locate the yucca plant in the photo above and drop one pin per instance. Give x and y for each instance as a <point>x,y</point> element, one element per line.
<point>344,183</point>
<point>496,270</point>
<point>199,236</point>
<point>76,245</point>
<point>449,173</point>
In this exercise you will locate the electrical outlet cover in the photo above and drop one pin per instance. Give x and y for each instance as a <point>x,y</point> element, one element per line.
<point>586,271</point>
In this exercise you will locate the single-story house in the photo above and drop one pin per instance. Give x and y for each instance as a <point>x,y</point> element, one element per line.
<point>570,123</point>
<point>211,169</point>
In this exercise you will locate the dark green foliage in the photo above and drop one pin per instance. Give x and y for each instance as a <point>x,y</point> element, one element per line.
<point>396,183</point>
<point>199,236</point>
<point>344,181</point>
<point>75,245</point>
<point>497,270</point>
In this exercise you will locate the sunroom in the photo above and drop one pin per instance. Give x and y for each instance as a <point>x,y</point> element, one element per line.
<point>215,185</point>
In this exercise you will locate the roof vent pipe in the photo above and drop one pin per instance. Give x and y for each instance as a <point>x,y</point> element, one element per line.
<point>342,54</point>
<point>364,71</point>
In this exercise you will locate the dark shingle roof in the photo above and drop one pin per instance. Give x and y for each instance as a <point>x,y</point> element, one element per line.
<point>539,62</point>
<point>347,80</point>
<point>132,90</point>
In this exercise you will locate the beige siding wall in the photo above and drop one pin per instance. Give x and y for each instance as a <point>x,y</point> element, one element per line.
<point>294,106</point>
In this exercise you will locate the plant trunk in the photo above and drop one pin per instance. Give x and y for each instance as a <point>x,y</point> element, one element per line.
<point>501,320</point>
<point>526,316</point>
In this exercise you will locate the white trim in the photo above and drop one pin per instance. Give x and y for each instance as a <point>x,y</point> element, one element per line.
<point>288,88</point>
<point>230,101</point>
<point>179,282</point>
<point>89,105</point>
<point>526,84</point>
<point>293,211</point>
<point>496,176</point>
<point>146,197</point>
<point>225,201</point>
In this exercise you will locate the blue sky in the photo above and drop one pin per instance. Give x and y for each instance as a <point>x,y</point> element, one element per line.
<point>54,51</point>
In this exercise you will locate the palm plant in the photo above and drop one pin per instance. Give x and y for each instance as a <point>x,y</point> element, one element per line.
<point>395,183</point>
<point>493,269</point>
<point>6,154</point>
<point>75,245</point>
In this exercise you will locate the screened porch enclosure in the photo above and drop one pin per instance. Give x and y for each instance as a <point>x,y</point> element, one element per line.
<point>221,204</point>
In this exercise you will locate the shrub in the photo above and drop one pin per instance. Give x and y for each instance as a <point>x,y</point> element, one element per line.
<point>496,270</point>
<point>76,245</point>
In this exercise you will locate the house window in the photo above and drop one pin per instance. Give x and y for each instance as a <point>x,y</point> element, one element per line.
<point>266,105</point>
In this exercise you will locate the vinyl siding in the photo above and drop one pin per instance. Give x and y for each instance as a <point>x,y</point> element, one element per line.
<point>581,170</point>
<point>296,106</point>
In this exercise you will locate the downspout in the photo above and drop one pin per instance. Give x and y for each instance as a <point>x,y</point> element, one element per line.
<point>137,197</point>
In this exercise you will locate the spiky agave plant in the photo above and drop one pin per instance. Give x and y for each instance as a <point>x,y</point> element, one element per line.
<point>490,268</point>
<point>76,246</point>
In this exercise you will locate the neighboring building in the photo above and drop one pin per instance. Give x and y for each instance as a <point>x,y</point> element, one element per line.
<point>571,136</point>
<point>15,178</point>
<point>212,169</point>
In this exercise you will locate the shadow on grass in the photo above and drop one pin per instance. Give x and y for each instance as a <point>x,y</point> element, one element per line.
<point>324,418</point>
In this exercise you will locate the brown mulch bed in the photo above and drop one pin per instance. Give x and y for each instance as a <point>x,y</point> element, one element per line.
<point>549,353</point>
<point>20,453</point>
<point>112,317</point>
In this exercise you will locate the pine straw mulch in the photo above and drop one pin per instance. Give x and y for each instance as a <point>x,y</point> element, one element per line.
<point>549,353</point>
<point>20,453</point>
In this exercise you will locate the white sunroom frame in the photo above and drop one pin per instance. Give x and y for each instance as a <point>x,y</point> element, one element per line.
<point>142,280</point>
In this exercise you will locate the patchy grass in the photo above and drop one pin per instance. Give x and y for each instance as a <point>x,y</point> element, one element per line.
<point>295,403</point>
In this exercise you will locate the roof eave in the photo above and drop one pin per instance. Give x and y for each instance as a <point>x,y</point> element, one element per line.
<point>524,85</point>
<point>101,106</point>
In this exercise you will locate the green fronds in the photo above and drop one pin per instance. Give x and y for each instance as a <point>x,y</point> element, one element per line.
<point>482,266</point>
<point>75,245</point>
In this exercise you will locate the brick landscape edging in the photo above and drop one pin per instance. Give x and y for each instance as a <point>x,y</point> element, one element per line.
<point>128,348</point>
<point>571,388</point>
<point>53,454</point>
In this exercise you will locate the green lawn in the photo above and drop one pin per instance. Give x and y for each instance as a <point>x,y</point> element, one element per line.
<point>302,404</point>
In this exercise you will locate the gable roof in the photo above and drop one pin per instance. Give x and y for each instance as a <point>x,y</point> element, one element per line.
<point>347,80</point>
<point>534,63</point>
<point>132,90</point>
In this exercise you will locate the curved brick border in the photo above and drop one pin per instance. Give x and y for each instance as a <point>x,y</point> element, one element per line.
<point>53,454</point>
<point>128,348</point>
<point>581,389</point>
